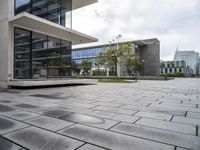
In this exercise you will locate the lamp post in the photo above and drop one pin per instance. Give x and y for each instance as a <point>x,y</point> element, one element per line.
<point>118,58</point>
<point>143,66</point>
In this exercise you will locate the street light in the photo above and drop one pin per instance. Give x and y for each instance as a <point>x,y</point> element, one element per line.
<point>143,66</point>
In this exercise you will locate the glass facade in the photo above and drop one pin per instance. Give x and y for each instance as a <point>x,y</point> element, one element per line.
<point>86,53</point>
<point>90,54</point>
<point>172,67</point>
<point>57,11</point>
<point>38,56</point>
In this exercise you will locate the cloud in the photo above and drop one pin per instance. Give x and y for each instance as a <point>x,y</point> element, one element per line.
<point>171,21</point>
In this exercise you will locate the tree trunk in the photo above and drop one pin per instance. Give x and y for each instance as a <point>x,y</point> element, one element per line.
<point>118,67</point>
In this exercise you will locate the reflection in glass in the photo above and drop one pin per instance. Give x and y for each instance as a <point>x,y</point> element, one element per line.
<point>57,11</point>
<point>22,54</point>
<point>39,56</point>
<point>53,57</point>
<point>66,13</point>
<point>22,6</point>
<point>53,11</point>
<point>39,8</point>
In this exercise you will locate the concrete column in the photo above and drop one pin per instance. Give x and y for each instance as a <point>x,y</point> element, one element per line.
<point>5,37</point>
<point>107,70</point>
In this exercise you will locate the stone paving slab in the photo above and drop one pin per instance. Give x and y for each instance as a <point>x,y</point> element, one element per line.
<point>76,109</point>
<point>90,120</point>
<point>74,104</point>
<point>7,145</point>
<point>37,139</point>
<point>112,140</point>
<point>191,121</point>
<point>183,108</point>
<point>56,113</point>
<point>193,115</point>
<point>21,115</point>
<point>125,118</point>
<point>26,106</point>
<point>158,116</point>
<point>114,104</point>
<point>9,125</point>
<point>104,116</point>
<point>49,123</point>
<point>168,137</point>
<point>91,147</point>
<point>5,109</point>
<point>180,104</point>
<point>155,109</point>
<point>178,148</point>
<point>115,110</point>
<point>137,103</point>
<point>177,127</point>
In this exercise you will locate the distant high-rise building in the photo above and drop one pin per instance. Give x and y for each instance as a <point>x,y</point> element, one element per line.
<point>191,60</point>
<point>198,66</point>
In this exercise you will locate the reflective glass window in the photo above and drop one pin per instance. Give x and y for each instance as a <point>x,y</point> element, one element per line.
<point>54,11</point>
<point>53,52</point>
<point>39,55</point>
<point>22,54</point>
<point>66,13</point>
<point>22,6</point>
<point>57,11</point>
<point>40,8</point>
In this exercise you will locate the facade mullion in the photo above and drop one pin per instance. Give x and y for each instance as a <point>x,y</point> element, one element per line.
<point>30,56</point>
<point>47,56</point>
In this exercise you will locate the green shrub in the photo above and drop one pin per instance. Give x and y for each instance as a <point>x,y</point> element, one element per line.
<point>115,81</point>
<point>177,74</point>
<point>99,73</point>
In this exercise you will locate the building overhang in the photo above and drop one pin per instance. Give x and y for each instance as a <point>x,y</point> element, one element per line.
<point>40,25</point>
<point>140,43</point>
<point>81,3</point>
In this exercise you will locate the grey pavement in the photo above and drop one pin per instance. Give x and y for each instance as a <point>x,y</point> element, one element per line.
<point>157,115</point>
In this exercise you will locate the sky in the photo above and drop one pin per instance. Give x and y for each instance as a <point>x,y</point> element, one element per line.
<point>175,23</point>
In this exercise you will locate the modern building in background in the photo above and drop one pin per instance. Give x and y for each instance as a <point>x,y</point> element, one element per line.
<point>172,67</point>
<point>191,59</point>
<point>148,51</point>
<point>36,39</point>
<point>198,66</point>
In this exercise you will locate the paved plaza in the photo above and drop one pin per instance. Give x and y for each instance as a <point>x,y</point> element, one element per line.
<point>148,115</point>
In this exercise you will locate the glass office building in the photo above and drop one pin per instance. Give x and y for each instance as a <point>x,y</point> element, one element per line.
<point>148,51</point>
<point>36,40</point>
<point>57,11</point>
<point>88,53</point>
<point>38,55</point>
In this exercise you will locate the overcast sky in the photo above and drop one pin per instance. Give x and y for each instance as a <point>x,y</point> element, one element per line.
<point>173,22</point>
